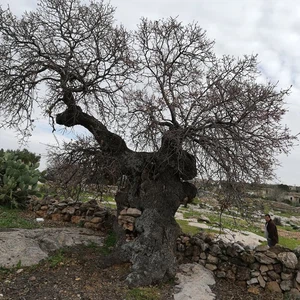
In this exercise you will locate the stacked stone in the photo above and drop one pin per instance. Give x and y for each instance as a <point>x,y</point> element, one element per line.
<point>127,219</point>
<point>276,268</point>
<point>86,214</point>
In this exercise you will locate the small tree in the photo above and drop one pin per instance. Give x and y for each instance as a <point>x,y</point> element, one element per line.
<point>158,102</point>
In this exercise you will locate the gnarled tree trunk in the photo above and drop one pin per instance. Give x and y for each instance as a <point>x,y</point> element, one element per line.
<point>154,188</point>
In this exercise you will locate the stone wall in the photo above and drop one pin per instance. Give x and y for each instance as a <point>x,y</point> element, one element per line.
<point>89,214</point>
<point>276,268</point>
<point>85,214</point>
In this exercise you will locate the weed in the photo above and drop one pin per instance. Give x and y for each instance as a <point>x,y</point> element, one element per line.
<point>146,293</point>
<point>109,243</point>
<point>4,270</point>
<point>196,201</point>
<point>11,218</point>
<point>57,258</point>
<point>19,264</point>
<point>81,224</point>
<point>92,245</point>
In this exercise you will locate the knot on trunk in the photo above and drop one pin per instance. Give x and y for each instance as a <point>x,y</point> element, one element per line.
<point>69,117</point>
<point>190,192</point>
<point>187,166</point>
<point>171,154</point>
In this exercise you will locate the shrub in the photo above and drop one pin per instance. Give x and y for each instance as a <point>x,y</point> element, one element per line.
<point>18,179</point>
<point>277,221</point>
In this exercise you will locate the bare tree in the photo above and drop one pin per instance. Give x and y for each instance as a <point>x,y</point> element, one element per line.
<point>158,102</point>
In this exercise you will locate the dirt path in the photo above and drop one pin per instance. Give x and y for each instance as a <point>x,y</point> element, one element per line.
<point>289,234</point>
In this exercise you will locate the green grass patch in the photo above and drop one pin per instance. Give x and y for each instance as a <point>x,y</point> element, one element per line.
<point>86,196</point>
<point>5,271</point>
<point>287,228</point>
<point>288,214</point>
<point>290,243</point>
<point>57,258</point>
<point>109,243</point>
<point>109,201</point>
<point>196,201</point>
<point>191,214</point>
<point>108,198</point>
<point>11,218</point>
<point>186,228</point>
<point>146,293</point>
<point>110,205</point>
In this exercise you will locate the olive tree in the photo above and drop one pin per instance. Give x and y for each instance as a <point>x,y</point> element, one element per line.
<point>158,102</point>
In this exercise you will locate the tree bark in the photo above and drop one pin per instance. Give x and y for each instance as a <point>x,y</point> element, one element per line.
<point>157,190</point>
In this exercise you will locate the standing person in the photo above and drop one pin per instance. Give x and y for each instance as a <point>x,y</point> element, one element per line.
<point>271,231</point>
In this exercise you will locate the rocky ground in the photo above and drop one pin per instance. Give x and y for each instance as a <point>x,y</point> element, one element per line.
<point>226,290</point>
<point>76,273</point>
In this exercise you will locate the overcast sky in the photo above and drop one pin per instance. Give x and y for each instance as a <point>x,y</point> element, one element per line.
<point>269,28</point>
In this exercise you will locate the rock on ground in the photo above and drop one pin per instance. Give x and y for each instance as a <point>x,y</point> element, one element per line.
<point>194,283</point>
<point>29,246</point>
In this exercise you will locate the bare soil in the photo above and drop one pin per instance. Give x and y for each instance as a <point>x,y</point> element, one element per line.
<point>78,276</point>
<point>227,290</point>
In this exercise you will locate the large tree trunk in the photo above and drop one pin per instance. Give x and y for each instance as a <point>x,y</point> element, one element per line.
<point>150,244</point>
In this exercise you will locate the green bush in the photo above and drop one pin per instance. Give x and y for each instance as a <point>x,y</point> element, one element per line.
<point>277,221</point>
<point>18,179</point>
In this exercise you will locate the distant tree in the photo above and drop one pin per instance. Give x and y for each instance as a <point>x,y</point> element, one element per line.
<point>283,187</point>
<point>24,155</point>
<point>158,102</point>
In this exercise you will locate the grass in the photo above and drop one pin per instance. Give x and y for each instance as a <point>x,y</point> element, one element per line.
<point>109,243</point>
<point>227,222</point>
<point>186,228</point>
<point>56,258</point>
<point>286,228</point>
<point>110,205</point>
<point>288,214</point>
<point>109,201</point>
<point>92,245</point>
<point>146,293</point>
<point>236,224</point>
<point>5,271</point>
<point>290,243</point>
<point>190,214</point>
<point>12,218</point>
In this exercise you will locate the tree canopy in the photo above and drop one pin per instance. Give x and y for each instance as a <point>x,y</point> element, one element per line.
<point>162,80</point>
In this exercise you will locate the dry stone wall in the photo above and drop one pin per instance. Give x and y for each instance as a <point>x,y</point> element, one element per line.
<point>276,269</point>
<point>85,214</point>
